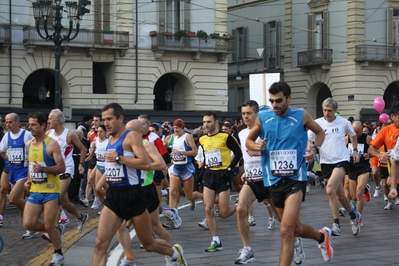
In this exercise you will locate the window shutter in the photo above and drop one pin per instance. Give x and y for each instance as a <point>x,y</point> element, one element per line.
<point>310,32</point>
<point>278,45</point>
<point>234,45</point>
<point>325,30</point>
<point>389,26</point>
<point>266,51</point>
<point>245,33</point>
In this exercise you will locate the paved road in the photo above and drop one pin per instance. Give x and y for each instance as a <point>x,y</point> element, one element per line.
<point>377,243</point>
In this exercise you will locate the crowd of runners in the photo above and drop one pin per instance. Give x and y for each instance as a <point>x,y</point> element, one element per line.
<point>132,165</point>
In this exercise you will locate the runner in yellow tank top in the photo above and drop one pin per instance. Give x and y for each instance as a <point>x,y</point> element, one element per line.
<point>45,164</point>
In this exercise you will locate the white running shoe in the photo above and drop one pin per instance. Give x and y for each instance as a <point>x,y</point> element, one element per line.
<point>397,202</point>
<point>251,221</point>
<point>57,260</point>
<point>246,256</point>
<point>84,202</point>
<point>389,206</point>
<point>299,253</point>
<point>271,223</point>
<point>126,262</point>
<point>29,234</point>
<point>96,204</point>
<point>385,198</point>
<point>377,192</point>
<point>203,224</point>
<point>82,221</point>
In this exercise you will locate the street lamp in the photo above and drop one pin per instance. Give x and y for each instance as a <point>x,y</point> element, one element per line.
<point>42,93</point>
<point>41,10</point>
<point>168,97</point>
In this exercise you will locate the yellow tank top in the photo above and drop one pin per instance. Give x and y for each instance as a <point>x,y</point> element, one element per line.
<point>217,154</point>
<point>42,182</point>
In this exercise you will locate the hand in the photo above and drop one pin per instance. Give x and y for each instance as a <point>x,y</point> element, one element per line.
<point>27,185</point>
<point>356,158</point>
<point>310,155</point>
<point>110,155</point>
<point>81,169</point>
<point>366,156</point>
<point>175,152</point>
<point>243,178</point>
<point>36,168</point>
<point>393,194</point>
<point>261,144</point>
<point>253,153</point>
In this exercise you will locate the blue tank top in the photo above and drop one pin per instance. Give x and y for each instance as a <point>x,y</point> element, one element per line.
<point>120,175</point>
<point>16,152</point>
<point>286,144</point>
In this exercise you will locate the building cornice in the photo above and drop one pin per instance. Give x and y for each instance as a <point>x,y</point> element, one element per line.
<point>250,3</point>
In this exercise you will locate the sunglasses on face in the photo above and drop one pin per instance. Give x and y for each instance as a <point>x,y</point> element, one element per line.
<point>279,100</point>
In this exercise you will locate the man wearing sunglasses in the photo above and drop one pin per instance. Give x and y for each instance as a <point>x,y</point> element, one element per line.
<point>285,150</point>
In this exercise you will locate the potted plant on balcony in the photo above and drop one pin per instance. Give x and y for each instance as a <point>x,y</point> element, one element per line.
<point>191,34</point>
<point>181,33</point>
<point>153,33</point>
<point>226,36</point>
<point>167,33</point>
<point>202,34</point>
<point>214,35</point>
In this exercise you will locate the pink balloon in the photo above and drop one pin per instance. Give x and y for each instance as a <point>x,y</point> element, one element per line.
<point>379,104</point>
<point>383,118</point>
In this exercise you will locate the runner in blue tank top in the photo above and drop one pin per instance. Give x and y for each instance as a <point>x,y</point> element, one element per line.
<point>283,143</point>
<point>124,158</point>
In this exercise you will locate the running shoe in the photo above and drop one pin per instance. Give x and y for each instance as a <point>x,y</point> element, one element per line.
<point>1,220</point>
<point>342,212</point>
<point>215,246</point>
<point>29,234</point>
<point>203,224</point>
<point>360,221</point>
<point>355,224</point>
<point>84,202</point>
<point>385,198</point>
<point>251,221</point>
<point>308,188</point>
<point>271,223</point>
<point>82,221</point>
<point>326,249</point>
<point>166,197</point>
<point>57,260</point>
<point>367,194</point>
<point>46,236</point>
<point>246,256</point>
<point>64,220</point>
<point>299,253</point>
<point>169,224</point>
<point>180,258</point>
<point>377,192</point>
<point>389,206</point>
<point>126,262</point>
<point>192,204</point>
<point>96,204</point>
<point>336,229</point>
<point>396,203</point>
<point>61,228</point>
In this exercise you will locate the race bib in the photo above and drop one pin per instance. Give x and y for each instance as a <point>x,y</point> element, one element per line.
<point>283,162</point>
<point>114,173</point>
<point>100,155</point>
<point>253,170</point>
<point>213,159</point>
<point>179,159</point>
<point>16,156</point>
<point>37,178</point>
<point>360,148</point>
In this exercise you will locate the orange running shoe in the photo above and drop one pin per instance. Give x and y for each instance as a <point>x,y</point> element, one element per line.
<point>326,249</point>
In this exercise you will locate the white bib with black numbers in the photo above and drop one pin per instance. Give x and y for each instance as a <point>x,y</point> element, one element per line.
<point>283,162</point>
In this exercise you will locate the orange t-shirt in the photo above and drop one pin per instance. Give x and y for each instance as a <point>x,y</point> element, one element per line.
<point>386,137</point>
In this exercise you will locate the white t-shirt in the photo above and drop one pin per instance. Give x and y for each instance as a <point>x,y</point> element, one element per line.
<point>333,150</point>
<point>252,164</point>
<point>395,152</point>
<point>200,154</point>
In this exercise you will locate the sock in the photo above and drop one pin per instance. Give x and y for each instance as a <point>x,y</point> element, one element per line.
<point>216,238</point>
<point>164,192</point>
<point>336,221</point>
<point>296,242</point>
<point>352,214</point>
<point>175,255</point>
<point>321,238</point>
<point>129,256</point>
<point>59,251</point>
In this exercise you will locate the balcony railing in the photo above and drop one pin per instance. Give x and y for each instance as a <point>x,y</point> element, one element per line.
<point>381,53</point>
<point>4,33</point>
<point>315,57</point>
<point>190,44</point>
<point>85,38</point>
